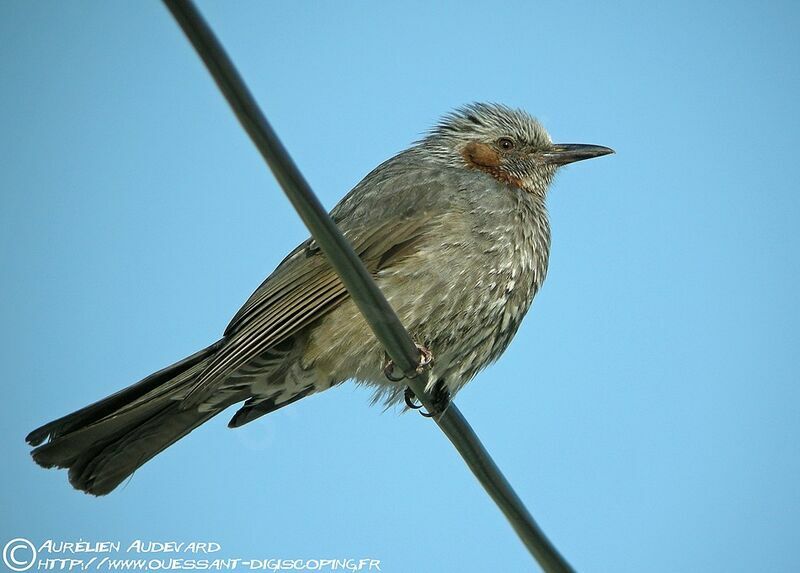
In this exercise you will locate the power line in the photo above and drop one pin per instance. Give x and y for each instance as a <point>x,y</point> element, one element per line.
<point>362,289</point>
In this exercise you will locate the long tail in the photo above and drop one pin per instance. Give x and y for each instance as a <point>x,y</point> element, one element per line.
<point>102,444</point>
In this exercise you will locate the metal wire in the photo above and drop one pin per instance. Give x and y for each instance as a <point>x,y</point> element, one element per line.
<point>362,289</point>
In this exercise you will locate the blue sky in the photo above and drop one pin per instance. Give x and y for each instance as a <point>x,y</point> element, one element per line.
<point>648,411</point>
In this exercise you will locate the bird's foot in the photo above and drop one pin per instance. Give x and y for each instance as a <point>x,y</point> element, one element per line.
<point>440,400</point>
<point>410,399</point>
<point>425,360</point>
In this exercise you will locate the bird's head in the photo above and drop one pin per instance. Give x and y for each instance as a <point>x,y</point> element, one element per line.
<point>506,143</point>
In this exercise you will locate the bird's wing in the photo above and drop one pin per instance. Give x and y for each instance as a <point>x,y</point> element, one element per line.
<point>304,287</point>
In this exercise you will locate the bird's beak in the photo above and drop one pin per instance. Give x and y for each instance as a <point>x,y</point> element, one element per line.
<point>563,153</point>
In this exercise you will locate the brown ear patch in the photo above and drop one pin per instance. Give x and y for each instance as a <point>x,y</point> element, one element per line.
<point>487,159</point>
<point>481,156</point>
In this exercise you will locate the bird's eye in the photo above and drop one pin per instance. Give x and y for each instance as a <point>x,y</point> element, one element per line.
<point>505,143</point>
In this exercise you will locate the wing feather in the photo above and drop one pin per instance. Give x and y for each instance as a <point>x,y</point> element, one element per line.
<point>304,287</point>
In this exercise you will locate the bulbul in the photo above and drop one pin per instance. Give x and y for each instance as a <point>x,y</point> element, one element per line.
<point>454,231</point>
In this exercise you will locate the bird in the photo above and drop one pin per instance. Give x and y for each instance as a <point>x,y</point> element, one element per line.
<point>454,230</point>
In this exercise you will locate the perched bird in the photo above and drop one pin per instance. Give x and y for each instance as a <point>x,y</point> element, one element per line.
<point>455,232</point>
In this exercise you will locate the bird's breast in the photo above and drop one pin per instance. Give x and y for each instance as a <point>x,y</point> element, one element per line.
<point>462,293</point>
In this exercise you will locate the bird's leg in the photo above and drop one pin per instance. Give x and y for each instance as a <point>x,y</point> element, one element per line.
<point>425,360</point>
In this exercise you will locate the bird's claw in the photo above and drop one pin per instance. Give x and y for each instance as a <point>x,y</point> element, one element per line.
<point>440,400</point>
<point>440,397</point>
<point>410,398</point>
<point>425,360</point>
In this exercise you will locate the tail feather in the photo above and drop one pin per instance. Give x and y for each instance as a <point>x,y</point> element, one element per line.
<point>254,409</point>
<point>101,469</point>
<point>111,404</point>
<point>102,444</point>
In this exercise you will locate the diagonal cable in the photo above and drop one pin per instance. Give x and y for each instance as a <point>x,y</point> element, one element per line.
<point>362,289</point>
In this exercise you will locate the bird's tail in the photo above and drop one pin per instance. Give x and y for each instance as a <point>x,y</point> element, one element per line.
<point>105,442</point>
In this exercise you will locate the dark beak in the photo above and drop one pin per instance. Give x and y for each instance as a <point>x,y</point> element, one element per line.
<point>563,153</point>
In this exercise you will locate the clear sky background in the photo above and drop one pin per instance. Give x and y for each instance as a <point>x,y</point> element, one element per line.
<point>648,411</point>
